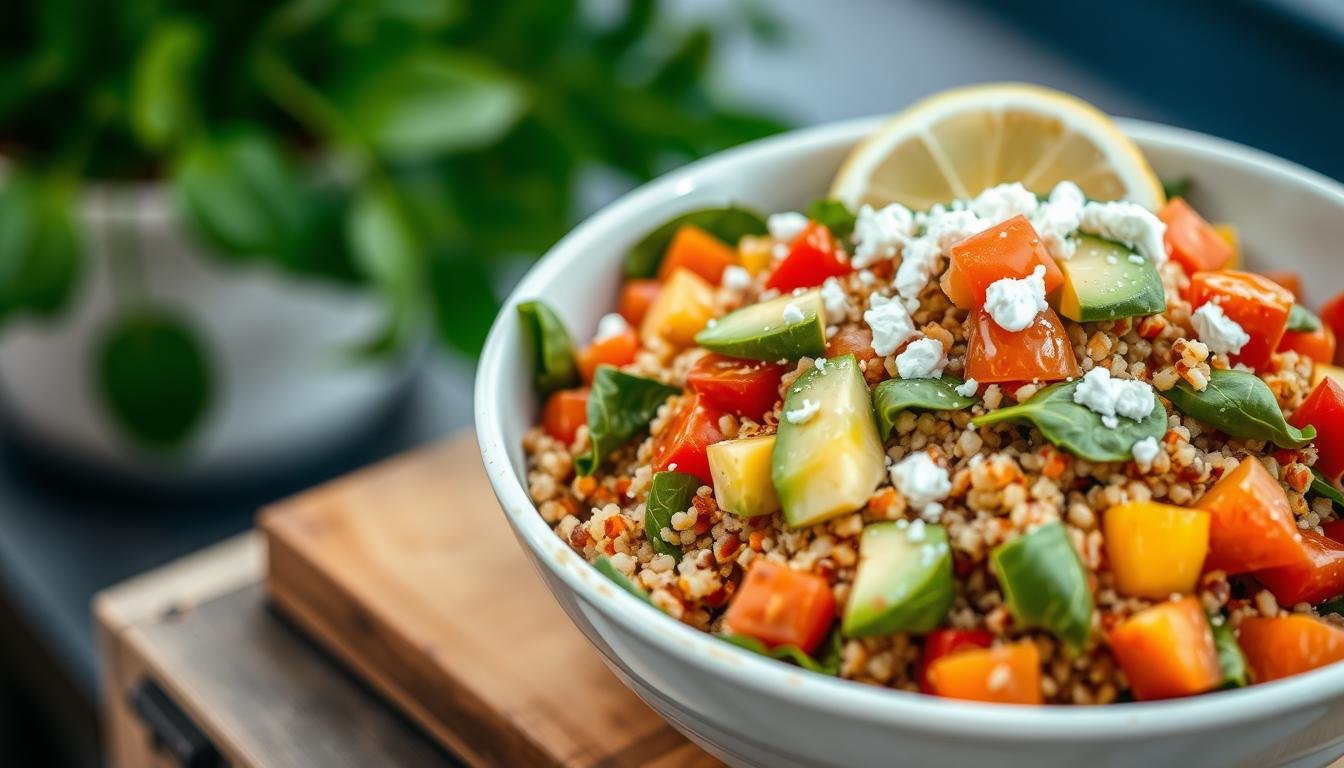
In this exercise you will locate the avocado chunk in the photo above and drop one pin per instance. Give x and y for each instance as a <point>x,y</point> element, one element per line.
<point>828,459</point>
<point>741,472</point>
<point>904,580</point>
<point>1107,281</point>
<point>785,328</point>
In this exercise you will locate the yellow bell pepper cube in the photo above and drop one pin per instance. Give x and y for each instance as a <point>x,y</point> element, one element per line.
<point>1155,550</point>
<point>755,253</point>
<point>1321,370</point>
<point>683,307</point>
<point>1233,237</point>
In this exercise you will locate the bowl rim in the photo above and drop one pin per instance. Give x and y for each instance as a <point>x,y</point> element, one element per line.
<point>853,700</point>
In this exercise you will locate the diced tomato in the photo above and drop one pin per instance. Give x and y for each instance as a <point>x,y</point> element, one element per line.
<point>615,350</point>
<point>1324,410</point>
<point>744,387</point>
<point>1167,651</point>
<point>1319,344</point>
<point>812,258</point>
<point>1282,646</point>
<point>1334,530</point>
<point>565,411</point>
<point>1332,315</point>
<point>1318,577</point>
<point>636,298</point>
<point>780,606</point>
<point>697,250</point>
<point>1290,280</point>
<point>1011,249</point>
<point>1192,241</point>
<point>1010,674</point>
<point>854,340</point>
<point>945,642</point>
<point>1041,352</point>
<point>1251,525</point>
<point>685,440</point>
<point>1259,305</point>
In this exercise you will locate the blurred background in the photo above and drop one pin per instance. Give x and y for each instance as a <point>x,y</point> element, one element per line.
<point>247,246</point>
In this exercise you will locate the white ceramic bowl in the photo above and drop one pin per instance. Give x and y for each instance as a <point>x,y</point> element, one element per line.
<point>749,710</point>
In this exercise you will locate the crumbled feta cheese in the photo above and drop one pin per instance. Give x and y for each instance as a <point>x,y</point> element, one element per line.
<point>922,359</point>
<point>1127,223</point>
<point>736,278</point>
<point>803,414</point>
<point>1135,258</point>
<point>610,326</point>
<point>880,234</point>
<point>792,313</point>
<point>866,277</point>
<point>819,364</point>
<point>1014,302</point>
<point>780,251</point>
<point>920,260</point>
<point>834,299</point>
<point>1058,219</point>
<point>968,388</point>
<point>1003,202</point>
<point>1220,332</point>
<point>915,532</point>
<point>1111,398</point>
<point>890,323</point>
<point>785,227</point>
<point>1145,452</point>
<point>921,481</point>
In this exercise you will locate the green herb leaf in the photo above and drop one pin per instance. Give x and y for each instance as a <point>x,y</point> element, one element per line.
<point>831,665</point>
<point>1045,585</point>
<point>834,214</point>
<point>895,395</point>
<point>1077,428</point>
<point>620,406</point>
<point>604,567</point>
<point>1303,320</point>
<point>388,253</point>
<point>729,224</point>
<point>1241,405</point>
<point>163,83</point>
<point>670,493</point>
<point>1176,187</point>
<point>465,302</point>
<point>40,249</point>
<point>553,358</point>
<point>1322,487</point>
<point>1335,606</point>
<point>1230,657</point>
<point>154,376</point>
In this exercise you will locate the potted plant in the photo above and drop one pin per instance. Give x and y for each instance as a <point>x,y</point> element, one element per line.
<point>225,226</point>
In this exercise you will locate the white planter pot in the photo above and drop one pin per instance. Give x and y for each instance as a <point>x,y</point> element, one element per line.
<point>282,391</point>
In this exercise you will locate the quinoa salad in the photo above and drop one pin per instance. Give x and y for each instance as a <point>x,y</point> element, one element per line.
<point>1021,446</point>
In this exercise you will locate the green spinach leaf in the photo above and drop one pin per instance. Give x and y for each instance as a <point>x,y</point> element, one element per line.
<point>553,350</point>
<point>604,567</point>
<point>829,664</point>
<point>619,407</point>
<point>670,493</point>
<point>895,395</point>
<point>1045,585</point>
<point>1229,656</point>
<point>1078,429</point>
<point>729,224</point>
<point>834,214</point>
<point>1303,320</point>
<point>1326,489</point>
<point>1176,187</point>
<point>1335,606</point>
<point>1241,405</point>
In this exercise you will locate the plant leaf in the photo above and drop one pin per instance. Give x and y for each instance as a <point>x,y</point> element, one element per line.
<point>41,252</point>
<point>464,299</point>
<point>554,364</point>
<point>895,395</point>
<point>1176,187</point>
<point>387,252</point>
<point>792,653</point>
<point>669,493</point>
<point>1230,657</point>
<point>1303,320</point>
<point>1239,404</point>
<point>1324,488</point>
<point>164,92</point>
<point>1076,428</point>
<point>154,376</point>
<point>834,214</point>
<point>729,224</point>
<point>604,567</point>
<point>619,407</point>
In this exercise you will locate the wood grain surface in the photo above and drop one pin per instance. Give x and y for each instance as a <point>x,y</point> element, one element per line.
<point>408,573</point>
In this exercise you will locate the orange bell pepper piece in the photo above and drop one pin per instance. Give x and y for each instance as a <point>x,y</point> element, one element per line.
<point>1324,409</point>
<point>1040,352</point>
<point>697,250</point>
<point>615,350</point>
<point>1332,316</point>
<point>1251,525</point>
<point>1317,577</point>
<point>636,298</point>
<point>1010,674</point>
<point>1167,651</point>
<point>1319,345</point>
<point>1155,550</point>
<point>1192,241</point>
<point>1011,249</point>
<point>1282,646</point>
<point>780,606</point>
<point>565,411</point>
<point>1259,305</point>
<point>1288,279</point>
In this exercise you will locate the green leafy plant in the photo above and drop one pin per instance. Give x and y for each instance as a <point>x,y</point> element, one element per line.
<point>620,406</point>
<point>1242,405</point>
<point>895,395</point>
<point>420,147</point>
<point>729,224</point>
<point>827,662</point>
<point>1077,428</point>
<point>669,493</point>
<point>1303,320</point>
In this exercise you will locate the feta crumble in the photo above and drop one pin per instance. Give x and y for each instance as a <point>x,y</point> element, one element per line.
<point>736,278</point>
<point>786,227</point>
<point>1003,202</point>
<point>1220,332</point>
<point>1127,223</point>
<point>792,314</point>
<point>834,299</point>
<point>1112,398</point>
<point>610,326</point>
<point>1014,302</point>
<point>1058,219</point>
<point>890,323</point>
<point>968,388</point>
<point>803,414</point>
<point>880,234</point>
<point>921,481</point>
<point>922,359</point>
<point>1145,452</point>
<point>942,228</point>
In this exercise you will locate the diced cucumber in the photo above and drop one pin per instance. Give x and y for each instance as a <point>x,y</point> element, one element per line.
<point>904,580</point>
<point>741,471</point>
<point>1045,585</point>
<point>785,328</point>
<point>828,463</point>
<point>1107,281</point>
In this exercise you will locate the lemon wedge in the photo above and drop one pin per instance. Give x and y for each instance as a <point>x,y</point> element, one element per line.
<point>959,142</point>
